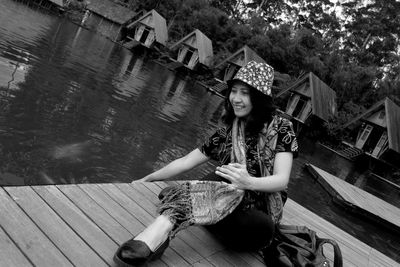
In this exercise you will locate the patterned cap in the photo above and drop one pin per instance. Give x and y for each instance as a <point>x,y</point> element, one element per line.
<point>257,75</point>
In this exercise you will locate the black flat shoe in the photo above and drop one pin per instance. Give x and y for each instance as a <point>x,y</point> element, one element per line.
<point>137,253</point>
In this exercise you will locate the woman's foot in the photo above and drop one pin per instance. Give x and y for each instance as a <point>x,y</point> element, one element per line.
<point>137,253</point>
<point>156,233</point>
<point>148,245</point>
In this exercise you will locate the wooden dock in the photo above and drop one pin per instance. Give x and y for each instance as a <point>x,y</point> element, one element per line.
<point>82,225</point>
<point>358,200</point>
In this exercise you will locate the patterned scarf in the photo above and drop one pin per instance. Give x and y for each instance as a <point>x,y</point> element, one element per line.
<point>204,202</point>
<point>238,153</point>
<point>266,145</point>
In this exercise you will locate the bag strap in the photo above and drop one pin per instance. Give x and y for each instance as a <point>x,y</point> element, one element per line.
<point>338,261</point>
<point>285,232</point>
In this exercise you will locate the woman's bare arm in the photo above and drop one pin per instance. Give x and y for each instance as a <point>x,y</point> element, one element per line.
<point>178,166</point>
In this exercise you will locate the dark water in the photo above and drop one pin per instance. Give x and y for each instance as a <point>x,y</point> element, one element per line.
<point>78,108</point>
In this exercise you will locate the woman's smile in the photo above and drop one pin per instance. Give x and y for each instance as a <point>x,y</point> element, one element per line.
<point>240,99</point>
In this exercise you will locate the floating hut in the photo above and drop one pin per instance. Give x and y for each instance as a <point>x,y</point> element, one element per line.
<point>228,68</point>
<point>195,50</point>
<point>50,5</point>
<point>376,132</point>
<point>309,98</point>
<point>58,3</point>
<point>107,18</point>
<point>149,30</point>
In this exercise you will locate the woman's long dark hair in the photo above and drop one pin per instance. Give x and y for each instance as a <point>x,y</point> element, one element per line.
<point>262,112</point>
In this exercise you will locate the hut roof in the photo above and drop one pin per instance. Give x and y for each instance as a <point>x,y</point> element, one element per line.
<point>323,98</point>
<point>111,11</point>
<point>202,43</point>
<point>392,114</point>
<point>249,55</point>
<point>155,21</point>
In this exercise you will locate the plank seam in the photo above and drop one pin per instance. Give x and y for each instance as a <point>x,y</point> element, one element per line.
<point>116,219</point>
<point>83,211</point>
<point>40,229</point>
<point>73,230</point>
<point>123,206</point>
<point>177,251</point>
<point>19,248</point>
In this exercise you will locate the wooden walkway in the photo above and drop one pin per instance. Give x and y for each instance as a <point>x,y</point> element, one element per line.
<point>358,199</point>
<point>82,225</point>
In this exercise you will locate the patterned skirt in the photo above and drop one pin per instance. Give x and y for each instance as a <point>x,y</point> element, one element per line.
<point>198,202</point>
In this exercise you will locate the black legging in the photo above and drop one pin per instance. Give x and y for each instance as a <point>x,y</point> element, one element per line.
<point>245,230</point>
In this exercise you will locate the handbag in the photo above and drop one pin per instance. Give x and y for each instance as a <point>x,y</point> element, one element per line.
<point>299,246</point>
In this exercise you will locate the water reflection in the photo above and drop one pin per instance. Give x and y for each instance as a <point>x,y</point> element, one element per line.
<point>87,110</point>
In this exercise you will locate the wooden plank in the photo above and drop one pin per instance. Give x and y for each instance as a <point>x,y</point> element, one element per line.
<point>251,259</point>
<point>77,220</point>
<point>113,208</point>
<point>93,213</point>
<point>198,244</point>
<point>186,249</point>
<point>10,255</point>
<point>27,236</point>
<point>219,260</point>
<point>376,258</point>
<point>109,223</point>
<point>202,263</point>
<point>170,256</point>
<point>157,263</point>
<point>132,207</point>
<point>351,248</point>
<point>96,213</point>
<point>327,228</point>
<point>198,231</point>
<point>360,198</point>
<point>234,258</point>
<point>71,245</point>
<point>129,204</point>
<point>208,238</point>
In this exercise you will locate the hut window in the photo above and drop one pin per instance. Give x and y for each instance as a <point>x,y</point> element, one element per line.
<point>381,114</point>
<point>145,33</point>
<point>188,56</point>
<point>299,107</point>
<point>230,71</point>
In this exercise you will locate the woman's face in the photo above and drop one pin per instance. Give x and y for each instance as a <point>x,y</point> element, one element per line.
<point>240,99</point>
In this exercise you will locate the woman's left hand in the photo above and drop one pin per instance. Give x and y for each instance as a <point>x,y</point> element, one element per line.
<point>237,174</point>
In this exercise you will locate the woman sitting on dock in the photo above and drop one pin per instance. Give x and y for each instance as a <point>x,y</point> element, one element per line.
<point>244,200</point>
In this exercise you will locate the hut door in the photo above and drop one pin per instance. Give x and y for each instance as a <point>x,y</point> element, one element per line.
<point>150,38</point>
<point>364,136</point>
<point>145,35</point>
<point>182,52</point>
<point>381,143</point>
<point>194,59</point>
<point>188,57</point>
<point>294,99</point>
<point>138,33</point>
